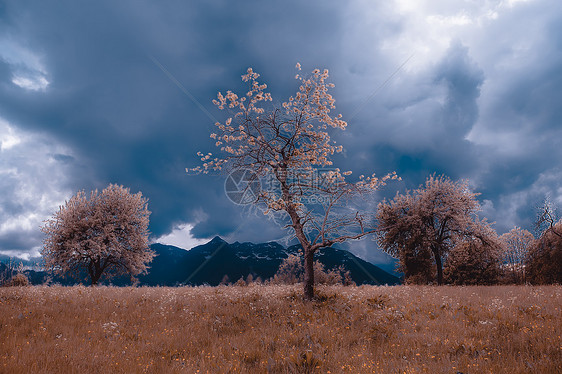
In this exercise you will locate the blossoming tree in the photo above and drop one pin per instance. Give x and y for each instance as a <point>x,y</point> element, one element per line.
<point>291,146</point>
<point>105,233</point>
<point>421,227</point>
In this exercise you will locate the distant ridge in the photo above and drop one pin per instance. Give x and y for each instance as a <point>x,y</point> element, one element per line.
<point>211,262</point>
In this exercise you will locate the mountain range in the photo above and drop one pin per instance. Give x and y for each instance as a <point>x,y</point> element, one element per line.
<point>211,262</point>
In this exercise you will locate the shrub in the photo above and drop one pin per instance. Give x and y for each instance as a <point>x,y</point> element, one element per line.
<point>18,280</point>
<point>291,271</point>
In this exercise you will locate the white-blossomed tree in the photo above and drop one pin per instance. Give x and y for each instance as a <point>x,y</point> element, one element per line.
<point>290,145</point>
<point>103,234</point>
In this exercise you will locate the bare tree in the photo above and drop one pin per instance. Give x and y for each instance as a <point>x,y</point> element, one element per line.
<point>9,271</point>
<point>290,146</point>
<point>543,264</point>
<point>547,219</point>
<point>515,247</point>
<point>422,226</point>
<point>105,233</point>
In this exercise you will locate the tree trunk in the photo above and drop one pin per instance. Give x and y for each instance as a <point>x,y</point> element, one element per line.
<point>308,274</point>
<point>281,175</point>
<point>95,273</point>
<point>94,280</point>
<point>439,265</point>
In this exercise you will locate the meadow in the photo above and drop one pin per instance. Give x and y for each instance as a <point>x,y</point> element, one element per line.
<point>269,329</point>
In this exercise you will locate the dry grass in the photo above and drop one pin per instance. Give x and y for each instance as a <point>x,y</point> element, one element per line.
<point>403,329</point>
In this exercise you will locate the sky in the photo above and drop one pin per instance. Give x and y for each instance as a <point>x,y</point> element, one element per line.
<point>93,93</point>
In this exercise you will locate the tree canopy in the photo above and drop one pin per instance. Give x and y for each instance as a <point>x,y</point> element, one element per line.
<point>106,233</point>
<point>422,226</point>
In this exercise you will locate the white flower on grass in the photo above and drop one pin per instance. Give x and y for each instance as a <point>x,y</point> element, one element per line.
<point>110,326</point>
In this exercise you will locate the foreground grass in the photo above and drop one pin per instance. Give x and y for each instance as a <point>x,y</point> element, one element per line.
<point>264,329</point>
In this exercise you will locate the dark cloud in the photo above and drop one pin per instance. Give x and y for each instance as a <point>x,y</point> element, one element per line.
<point>65,159</point>
<point>519,127</point>
<point>94,81</point>
<point>116,109</point>
<point>462,78</point>
<point>422,128</point>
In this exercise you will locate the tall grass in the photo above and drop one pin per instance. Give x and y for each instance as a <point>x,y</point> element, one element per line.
<point>402,329</point>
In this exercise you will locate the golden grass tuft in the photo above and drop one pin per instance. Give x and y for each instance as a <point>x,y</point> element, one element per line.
<point>402,329</point>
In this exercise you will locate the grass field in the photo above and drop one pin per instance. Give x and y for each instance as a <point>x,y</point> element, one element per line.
<point>402,329</point>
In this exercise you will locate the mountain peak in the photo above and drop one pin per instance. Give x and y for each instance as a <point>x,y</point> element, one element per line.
<point>217,239</point>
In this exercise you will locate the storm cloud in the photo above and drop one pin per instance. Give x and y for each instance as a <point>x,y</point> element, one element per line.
<point>93,93</point>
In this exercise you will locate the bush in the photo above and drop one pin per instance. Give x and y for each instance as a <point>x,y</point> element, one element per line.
<point>18,280</point>
<point>291,271</point>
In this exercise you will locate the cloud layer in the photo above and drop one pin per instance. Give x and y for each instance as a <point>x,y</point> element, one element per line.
<point>104,92</point>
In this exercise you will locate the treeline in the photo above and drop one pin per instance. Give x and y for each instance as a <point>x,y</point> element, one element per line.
<point>436,234</point>
<point>291,271</point>
<point>434,231</point>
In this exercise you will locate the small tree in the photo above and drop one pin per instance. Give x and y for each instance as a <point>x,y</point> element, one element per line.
<point>3,275</point>
<point>422,226</point>
<point>13,274</point>
<point>225,280</point>
<point>515,247</point>
<point>106,233</point>
<point>543,264</point>
<point>548,218</point>
<point>473,262</point>
<point>7,271</point>
<point>291,146</point>
<point>18,280</point>
<point>291,271</point>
